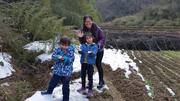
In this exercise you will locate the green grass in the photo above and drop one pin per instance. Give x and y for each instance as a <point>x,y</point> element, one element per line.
<point>174,54</point>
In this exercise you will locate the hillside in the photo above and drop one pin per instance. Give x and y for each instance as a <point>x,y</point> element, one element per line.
<point>162,13</point>
<point>111,9</point>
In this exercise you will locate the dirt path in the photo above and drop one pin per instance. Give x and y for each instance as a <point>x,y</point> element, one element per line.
<point>113,90</point>
<point>112,94</point>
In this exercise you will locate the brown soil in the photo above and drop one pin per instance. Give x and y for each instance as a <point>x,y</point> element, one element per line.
<point>161,72</point>
<point>123,89</point>
<point>143,40</point>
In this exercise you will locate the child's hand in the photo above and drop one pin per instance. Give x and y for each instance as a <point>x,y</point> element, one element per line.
<point>89,52</point>
<point>60,57</point>
<point>78,48</point>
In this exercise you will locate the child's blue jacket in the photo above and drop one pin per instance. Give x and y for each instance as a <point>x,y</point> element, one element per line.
<point>63,67</point>
<point>88,53</point>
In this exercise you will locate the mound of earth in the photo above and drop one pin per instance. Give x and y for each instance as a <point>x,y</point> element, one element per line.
<point>143,41</point>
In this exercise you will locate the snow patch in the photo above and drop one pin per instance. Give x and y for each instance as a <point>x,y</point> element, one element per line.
<point>140,61</point>
<point>6,68</point>
<point>147,86</point>
<point>118,59</point>
<point>57,93</point>
<point>77,64</point>
<point>44,57</point>
<point>38,46</point>
<point>171,91</point>
<point>141,76</point>
<point>133,55</point>
<point>5,84</point>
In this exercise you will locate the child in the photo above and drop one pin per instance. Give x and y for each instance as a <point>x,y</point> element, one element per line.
<point>64,58</point>
<point>88,53</point>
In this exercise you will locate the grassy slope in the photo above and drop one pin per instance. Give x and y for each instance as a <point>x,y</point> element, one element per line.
<point>175,54</point>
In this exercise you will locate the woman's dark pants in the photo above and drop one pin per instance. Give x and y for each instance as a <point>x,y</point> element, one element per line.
<point>99,67</point>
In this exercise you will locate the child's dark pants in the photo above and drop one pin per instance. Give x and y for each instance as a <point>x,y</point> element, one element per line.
<point>65,85</point>
<point>89,69</point>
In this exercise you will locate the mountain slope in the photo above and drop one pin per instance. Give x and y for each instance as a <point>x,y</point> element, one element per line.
<point>110,9</point>
<point>161,13</point>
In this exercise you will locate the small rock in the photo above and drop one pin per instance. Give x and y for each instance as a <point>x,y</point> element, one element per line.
<point>5,84</point>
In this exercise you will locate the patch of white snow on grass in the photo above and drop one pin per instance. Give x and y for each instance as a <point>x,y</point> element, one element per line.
<point>44,57</point>
<point>171,91</point>
<point>147,86</point>
<point>38,46</point>
<point>6,68</point>
<point>5,84</point>
<point>116,59</point>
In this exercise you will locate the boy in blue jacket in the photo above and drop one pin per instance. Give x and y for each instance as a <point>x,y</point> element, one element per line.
<point>88,53</point>
<point>64,58</point>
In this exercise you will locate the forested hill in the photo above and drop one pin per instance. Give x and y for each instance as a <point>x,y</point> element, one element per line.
<point>43,18</point>
<point>111,9</point>
<point>160,13</point>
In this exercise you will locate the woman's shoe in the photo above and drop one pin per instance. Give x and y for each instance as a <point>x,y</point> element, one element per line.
<point>99,87</point>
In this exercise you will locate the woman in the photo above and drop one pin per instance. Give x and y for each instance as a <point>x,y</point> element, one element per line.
<point>90,27</point>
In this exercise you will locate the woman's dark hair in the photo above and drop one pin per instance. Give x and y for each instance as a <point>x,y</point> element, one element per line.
<point>65,41</point>
<point>93,28</point>
<point>87,16</point>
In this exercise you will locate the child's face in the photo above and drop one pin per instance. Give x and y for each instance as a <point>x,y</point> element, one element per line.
<point>89,39</point>
<point>63,46</point>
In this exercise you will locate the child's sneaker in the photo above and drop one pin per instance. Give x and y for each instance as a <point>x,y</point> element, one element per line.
<point>90,93</point>
<point>45,93</point>
<point>82,91</point>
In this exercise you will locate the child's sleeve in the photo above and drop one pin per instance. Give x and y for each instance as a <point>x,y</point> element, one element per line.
<point>55,56</point>
<point>101,38</point>
<point>94,50</point>
<point>70,57</point>
<point>81,49</point>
